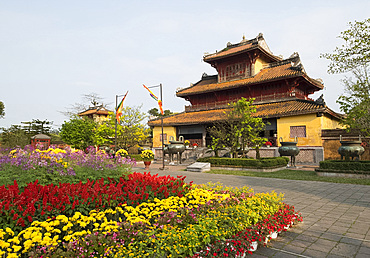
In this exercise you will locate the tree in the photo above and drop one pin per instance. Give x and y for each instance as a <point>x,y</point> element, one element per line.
<point>130,131</point>
<point>2,109</point>
<point>246,128</point>
<point>240,129</point>
<point>37,126</point>
<point>155,112</point>
<point>87,99</point>
<point>352,59</point>
<point>14,136</point>
<point>219,133</point>
<point>79,132</point>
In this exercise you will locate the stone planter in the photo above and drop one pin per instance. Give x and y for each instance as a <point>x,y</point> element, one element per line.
<point>253,246</point>
<point>274,235</point>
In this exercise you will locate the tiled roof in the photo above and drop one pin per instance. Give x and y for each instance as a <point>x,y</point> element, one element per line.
<point>230,51</point>
<point>265,110</point>
<point>286,70</point>
<point>243,46</point>
<point>94,111</point>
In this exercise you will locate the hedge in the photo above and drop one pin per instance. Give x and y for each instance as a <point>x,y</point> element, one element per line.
<point>346,166</point>
<point>249,163</point>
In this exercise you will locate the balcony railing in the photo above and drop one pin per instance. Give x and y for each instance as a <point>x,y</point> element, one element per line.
<point>261,98</point>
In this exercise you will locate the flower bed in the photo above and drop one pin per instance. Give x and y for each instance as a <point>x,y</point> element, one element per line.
<point>181,225</point>
<point>60,165</point>
<point>36,202</point>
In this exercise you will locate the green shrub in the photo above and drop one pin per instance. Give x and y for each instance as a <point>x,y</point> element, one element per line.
<point>249,163</point>
<point>136,157</point>
<point>23,177</point>
<point>343,165</point>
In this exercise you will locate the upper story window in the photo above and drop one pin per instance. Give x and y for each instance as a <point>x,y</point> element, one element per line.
<point>234,71</point>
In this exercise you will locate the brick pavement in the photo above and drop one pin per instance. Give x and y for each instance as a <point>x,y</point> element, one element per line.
<point>336,217</point>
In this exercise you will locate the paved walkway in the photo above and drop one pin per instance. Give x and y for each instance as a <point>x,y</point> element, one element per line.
<point>336,217</point>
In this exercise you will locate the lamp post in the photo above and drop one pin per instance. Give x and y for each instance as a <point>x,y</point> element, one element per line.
<point>160,87</point>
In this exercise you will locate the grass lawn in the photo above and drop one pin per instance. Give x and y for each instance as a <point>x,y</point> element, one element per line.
<point>293,175</point>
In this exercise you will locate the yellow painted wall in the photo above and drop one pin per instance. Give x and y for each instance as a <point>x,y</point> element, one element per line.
<point>157,131</point>
<point>313,129</point>
<point>313,124</point>
<point>259,65</point>
<point>330,123</point>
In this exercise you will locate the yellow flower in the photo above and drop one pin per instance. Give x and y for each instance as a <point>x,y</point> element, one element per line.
<point>27,244</point>
<point>9,231</point>
<point>16,248</point>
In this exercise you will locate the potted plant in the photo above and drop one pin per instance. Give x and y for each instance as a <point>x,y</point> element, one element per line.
<point>268,144</point>
<point>187,143</point>
<point>122,153</point>
<point>147,156</point>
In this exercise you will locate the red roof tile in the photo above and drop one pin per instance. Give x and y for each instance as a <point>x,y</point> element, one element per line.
<point>230,51</point>
<point>267,74</point>
<point>94,111</point>
<point>265,110</point>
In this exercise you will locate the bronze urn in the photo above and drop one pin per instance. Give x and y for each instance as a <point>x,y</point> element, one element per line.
<point>289,149</point>
<point>351,149</point>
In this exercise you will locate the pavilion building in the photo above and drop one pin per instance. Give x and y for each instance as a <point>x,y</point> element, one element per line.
<point>98,113</point>
<point>280,87</point>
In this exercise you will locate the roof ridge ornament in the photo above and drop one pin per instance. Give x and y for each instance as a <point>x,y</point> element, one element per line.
<point>296,62</point>
<point>320,100</point>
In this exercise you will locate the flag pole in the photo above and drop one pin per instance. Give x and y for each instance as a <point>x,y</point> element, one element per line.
<point>115,129</point>
<point>162,130</point>
<point>161,99</point>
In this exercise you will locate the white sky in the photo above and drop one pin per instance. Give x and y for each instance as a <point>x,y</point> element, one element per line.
<point>53,52</point>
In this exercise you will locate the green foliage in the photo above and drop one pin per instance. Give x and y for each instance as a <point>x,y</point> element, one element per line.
<point>79,133</point>
<point>249,163</point>
<point>218,133</point>
<point>353,57</point>
<point>23,177</point>
<point>239,130</point>
<point>2,109</point>
<point>155,112</point>
<point>360,167</point>
<point>293,175</point>
<point>14,136</point>
<point>130,132</point>
<point>37,126</point>
<point>135,157</point>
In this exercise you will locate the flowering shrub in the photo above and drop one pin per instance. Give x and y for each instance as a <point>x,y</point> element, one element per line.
<point>122,153</point>
<point>240,243</point>
<point>30,159</point>
<point>159,216</point>
<point>147,155</point>
<point>56,165</point>
<point>70,229</point>
<point>173,227</point>
<point>268,143</point>
<point>19,209</point>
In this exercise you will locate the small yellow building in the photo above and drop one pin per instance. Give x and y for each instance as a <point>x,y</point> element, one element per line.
<point>248,69</point>
<point>96,113</point>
